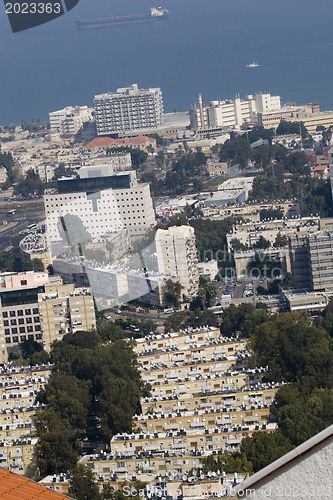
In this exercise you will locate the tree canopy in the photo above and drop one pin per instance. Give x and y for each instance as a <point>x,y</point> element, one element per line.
<point>299,353</point>
<point>90,374</point>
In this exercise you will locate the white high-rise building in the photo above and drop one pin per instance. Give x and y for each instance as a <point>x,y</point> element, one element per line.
<point>128,109</point>
<point>70,119</point>
<point>105,203</point>
<point>177,256</point>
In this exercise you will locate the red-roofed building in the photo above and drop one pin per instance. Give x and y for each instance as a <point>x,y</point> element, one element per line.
<point>15,487</point>
<point>100,143</point>
<point>141,141</point>
<point>320,171</point>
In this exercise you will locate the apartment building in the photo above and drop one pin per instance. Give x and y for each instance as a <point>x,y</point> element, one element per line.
<point>65,309</point>
<point>320,247</point>
<point>176,339</point>
<point>19,387</point>
<point>191,413</point>
<point>203,399</point>
<point>18,454</point>
<point>229,380</point>
<point>203,419</point>
<point>26,300</point>
<point>205,441</point>
<point>177,256</point>
<point>70,120</point>
<point>19,306</point>
<point>128,109</point>
<point>205,352</point>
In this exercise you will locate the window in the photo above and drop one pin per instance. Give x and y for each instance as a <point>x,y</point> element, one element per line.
<point>37,328</point>
<point>30,329</point>
<point>28,312</point>
<point>22,329</point>
<point>6,322</point>
<point>21,321</point>
<point>12,314</point>
<point>24,282</point>
<point>35,310</point>
<point>36,319</point>
<point>7,331</point>
<point>5,314</point>
<point>15,339</point>
<point>14,330</point>
<point>20,312</point>
<point>28,320</point>
<point>23,338</point>
<point>13,321</point>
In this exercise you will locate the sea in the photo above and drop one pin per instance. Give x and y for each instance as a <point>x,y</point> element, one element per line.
<point>203,47</point>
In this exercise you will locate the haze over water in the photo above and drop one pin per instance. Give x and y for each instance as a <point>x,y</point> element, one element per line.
<point>203,47</point>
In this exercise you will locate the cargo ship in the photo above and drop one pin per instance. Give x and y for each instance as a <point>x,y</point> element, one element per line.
<point>156,14</point>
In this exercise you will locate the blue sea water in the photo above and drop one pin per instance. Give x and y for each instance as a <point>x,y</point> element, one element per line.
<point>203,47</point>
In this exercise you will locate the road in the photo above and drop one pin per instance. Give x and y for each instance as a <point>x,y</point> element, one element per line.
<point>27,212</point>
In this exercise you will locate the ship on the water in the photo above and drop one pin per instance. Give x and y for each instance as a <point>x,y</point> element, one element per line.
<point>253,65</point>
<point>156,14</point>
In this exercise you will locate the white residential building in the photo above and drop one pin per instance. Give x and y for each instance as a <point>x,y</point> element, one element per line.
<point>128,109</point>
<point>208,269</point>
<point>177,256</point>
<point>70,119</point>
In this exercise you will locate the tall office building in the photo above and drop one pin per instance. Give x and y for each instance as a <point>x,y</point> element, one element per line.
<point>177,256</point>
<point>103,201</point>
<point>321,258</point>
<point>128,109</point>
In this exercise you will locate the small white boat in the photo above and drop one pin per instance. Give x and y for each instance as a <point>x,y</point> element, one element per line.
<point>253,65</point>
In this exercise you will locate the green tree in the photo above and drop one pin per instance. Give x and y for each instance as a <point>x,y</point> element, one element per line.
<point>173,292</point>
<point>175,322</point>
<point>280,241</point>
<point>37,265</point>
<point>62,171</point>
<point>83,485</point>
<point>30,186</point>
<point>238,246</point>
<point>262,243</point>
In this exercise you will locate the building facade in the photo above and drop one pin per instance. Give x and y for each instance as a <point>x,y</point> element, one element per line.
<point>233,113</point>
<point>70,120</point>
<point>177,256</point>
<point>103,203</point>
<point>65,309</point>
<point>26,302</point>
<point>128,109</point>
